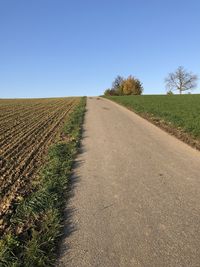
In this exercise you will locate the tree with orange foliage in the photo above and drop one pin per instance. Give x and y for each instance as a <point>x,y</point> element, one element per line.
<point>121,86</point>
<point>132,86</point>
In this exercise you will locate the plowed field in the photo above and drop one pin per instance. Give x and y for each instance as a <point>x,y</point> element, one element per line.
<point>27,129</point>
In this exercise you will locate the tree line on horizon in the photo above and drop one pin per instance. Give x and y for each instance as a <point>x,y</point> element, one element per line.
<point>180,80</point>
<point>125,86</point>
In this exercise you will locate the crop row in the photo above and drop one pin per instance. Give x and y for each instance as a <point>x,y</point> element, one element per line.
<point>24,143</point>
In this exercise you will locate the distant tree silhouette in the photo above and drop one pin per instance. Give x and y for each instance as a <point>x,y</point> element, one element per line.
<point>181,80</point>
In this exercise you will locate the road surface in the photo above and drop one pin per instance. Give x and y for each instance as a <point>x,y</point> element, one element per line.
<point>135,195</point>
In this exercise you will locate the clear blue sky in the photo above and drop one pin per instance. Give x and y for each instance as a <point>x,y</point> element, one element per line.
<point>77,47</point>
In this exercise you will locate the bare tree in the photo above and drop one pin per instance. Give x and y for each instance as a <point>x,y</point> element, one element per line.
<point>181,80</point>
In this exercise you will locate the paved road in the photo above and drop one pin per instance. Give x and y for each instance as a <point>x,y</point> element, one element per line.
<point>136,196</point>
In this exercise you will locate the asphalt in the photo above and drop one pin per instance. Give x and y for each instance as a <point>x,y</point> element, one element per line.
<point>135,195</point>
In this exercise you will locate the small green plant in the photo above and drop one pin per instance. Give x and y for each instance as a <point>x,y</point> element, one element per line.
<point>170,92</point>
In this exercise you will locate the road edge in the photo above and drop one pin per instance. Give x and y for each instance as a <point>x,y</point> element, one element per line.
<point>163,125</point>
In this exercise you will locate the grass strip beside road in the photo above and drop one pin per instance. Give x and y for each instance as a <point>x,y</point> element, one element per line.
<point>177,114</point>
<point>37,223</point>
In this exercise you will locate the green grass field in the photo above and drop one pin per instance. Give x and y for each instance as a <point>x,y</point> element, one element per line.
<point>181,111</point>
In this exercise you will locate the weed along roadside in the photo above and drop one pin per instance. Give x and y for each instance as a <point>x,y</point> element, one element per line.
<point>36,225</point>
